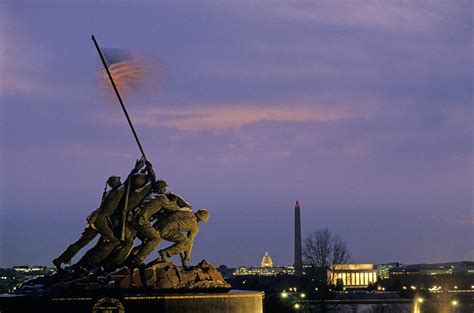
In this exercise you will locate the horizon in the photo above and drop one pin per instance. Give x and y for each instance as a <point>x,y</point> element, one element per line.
<point>360,110</point>
<point>280,265</point>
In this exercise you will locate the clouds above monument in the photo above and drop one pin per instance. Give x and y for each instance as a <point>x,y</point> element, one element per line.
<point>361,110</point>
<point>227,117</point>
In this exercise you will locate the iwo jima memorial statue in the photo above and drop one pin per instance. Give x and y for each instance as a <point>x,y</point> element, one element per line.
<point>112,276</point>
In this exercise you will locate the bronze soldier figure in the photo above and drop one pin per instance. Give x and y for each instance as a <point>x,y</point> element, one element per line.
<point>98,222</point>
<point>143,214</point>
<point>119,255</point>
<point>171,228</point>
<point>102,254</point>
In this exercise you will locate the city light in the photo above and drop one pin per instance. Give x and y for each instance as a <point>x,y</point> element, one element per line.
<point>413,287</point>
<point>435,289</point>
<point>284,295</point>
<point>303,295</point>
<point>420,300</point>
<point>404,288</point>
<point>297,306</point>
<point>454,302</point>
<point>455,287</point>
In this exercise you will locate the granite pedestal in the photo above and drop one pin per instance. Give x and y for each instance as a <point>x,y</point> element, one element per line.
<point>234,301</point>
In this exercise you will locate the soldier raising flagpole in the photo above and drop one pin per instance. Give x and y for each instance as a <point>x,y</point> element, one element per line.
<point>121,64</point>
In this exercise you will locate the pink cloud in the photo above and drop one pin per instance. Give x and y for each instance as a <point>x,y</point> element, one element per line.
<point>467,221</point>
<point>219,118</point>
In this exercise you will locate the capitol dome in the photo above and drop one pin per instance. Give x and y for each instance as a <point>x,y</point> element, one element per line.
<point>267,260</point>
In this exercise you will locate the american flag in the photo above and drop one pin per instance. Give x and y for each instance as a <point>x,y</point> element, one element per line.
<point>130,71</point>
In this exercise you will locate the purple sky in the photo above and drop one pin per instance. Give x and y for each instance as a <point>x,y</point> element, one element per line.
<point>362,110</point>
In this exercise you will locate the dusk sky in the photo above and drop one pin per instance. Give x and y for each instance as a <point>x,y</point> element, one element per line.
<point>361,110</point>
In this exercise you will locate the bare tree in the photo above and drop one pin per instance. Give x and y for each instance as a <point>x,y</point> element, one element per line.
<point>324,250</point>
<point>317,248</point>
<point>340,253</point>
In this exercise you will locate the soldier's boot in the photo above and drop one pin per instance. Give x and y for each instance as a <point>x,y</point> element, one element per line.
<point>57,263</point>
<point>164,255</point>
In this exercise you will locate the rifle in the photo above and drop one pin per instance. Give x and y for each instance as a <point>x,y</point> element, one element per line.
<point>125,209</point>
<point>104,194</point>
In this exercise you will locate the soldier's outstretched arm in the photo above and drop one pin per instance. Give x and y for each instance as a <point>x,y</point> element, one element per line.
<point>139,164</point>
<point>150,173</point>
<point>167,204</point>
<point>180,201</point>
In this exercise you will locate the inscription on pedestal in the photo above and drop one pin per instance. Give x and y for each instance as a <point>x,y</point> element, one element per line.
<point>108,305</point>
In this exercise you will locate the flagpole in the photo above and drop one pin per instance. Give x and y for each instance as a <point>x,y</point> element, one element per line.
<point>119,97</point>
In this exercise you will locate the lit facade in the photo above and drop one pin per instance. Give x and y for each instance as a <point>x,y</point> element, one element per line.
<point>383,270</point>
<point>352,275</point>
<point>258,271</point>
<point>267,260</point>
<point>267,269</point>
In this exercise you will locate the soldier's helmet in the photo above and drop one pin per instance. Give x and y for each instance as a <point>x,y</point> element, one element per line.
<point>138,179</point>
<point>203,215</point>
<point>160,184</point>
<point>113,181</point>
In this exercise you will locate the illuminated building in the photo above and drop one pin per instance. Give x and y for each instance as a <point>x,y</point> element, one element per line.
<point>383,270</point>
<point>352,275</point>
<point>26,269</point>
<point>257,271</point>
<point>441,270</point>
<point>396,272</point>
<point>267,260</point>
<point>266,269</point>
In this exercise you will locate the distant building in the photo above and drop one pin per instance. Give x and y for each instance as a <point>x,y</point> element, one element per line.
<point>352,275</point>
<point>10,277</point>
<point>267,260</point>
<point>403,271</point>
<point>267,268</point>
<point>383,270</point>
<point>442,270</point>
<point>26,269</point>
<point>258,271</point>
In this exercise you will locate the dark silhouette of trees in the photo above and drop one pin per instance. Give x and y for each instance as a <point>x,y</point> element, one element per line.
<point>322,249</point>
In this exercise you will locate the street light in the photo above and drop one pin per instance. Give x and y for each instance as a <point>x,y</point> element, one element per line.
<point>420,300</point>
<point>454,303</point>
<point>297,306</point>
<point>303,295</point>
<point>284,295</point>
